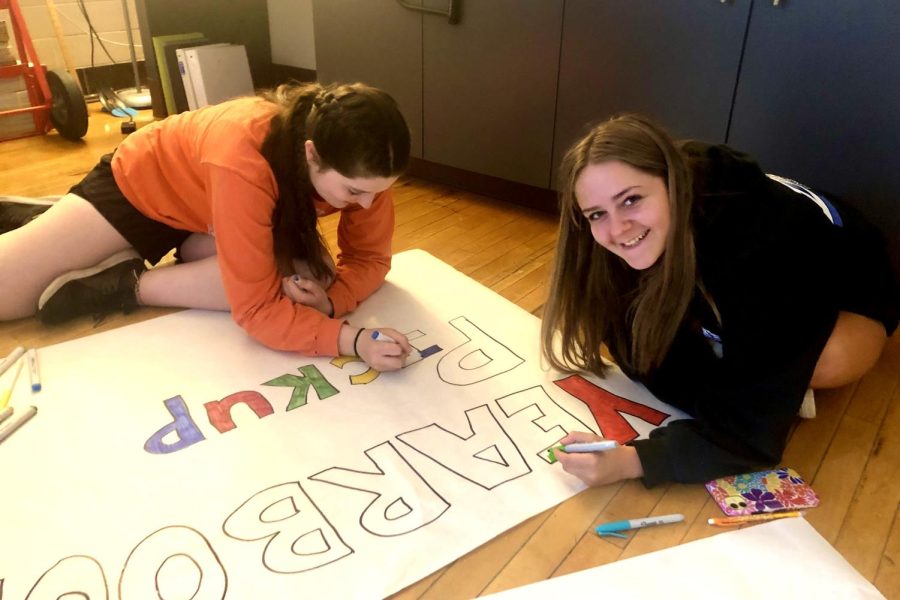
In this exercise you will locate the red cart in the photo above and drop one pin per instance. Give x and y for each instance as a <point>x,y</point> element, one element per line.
<point>54,98</point>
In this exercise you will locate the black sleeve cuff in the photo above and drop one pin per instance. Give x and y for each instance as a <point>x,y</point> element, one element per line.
<point>654,461</point>
<point>678,452</point>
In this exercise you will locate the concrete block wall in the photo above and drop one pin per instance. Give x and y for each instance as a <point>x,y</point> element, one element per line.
<point>107,18</point>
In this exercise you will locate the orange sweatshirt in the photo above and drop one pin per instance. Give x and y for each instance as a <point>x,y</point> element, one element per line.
<point>202,171</point>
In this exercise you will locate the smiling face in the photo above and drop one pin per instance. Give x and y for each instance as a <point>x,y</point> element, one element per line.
<point>627,209</point>
<point>340,191</point>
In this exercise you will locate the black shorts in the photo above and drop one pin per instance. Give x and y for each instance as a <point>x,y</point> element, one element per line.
<point>868,286</point>
<point>150,238</point>
<point>865,281</point>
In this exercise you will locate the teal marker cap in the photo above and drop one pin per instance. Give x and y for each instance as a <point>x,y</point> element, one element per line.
<point>613,529</point>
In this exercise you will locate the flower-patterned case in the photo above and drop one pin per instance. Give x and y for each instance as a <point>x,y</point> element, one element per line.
<point>764,491</point>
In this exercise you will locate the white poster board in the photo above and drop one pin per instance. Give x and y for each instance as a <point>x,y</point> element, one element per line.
<point>779,559</point>
<point>178,458</point>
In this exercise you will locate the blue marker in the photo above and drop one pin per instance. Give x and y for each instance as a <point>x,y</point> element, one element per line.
<point>34,370</point>
<point>615,527</point>
<point>416,355</point>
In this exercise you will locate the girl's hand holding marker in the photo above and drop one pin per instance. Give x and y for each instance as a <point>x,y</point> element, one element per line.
<point>410,356</point>
<point>601,446</point>
<point>594,460</point>
<point>384,349</point>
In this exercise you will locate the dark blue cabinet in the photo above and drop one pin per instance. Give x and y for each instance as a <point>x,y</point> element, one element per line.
<point>818,100</point>
<point>376,42</point>
<point>676,61</point>
<point>490,88</point>
<point>811,88</point>
<point>478,94</point>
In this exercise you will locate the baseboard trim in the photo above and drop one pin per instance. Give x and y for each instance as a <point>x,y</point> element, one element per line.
<point>521,194</point>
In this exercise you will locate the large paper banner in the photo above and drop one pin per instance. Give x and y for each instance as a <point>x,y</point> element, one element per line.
<point>780,559</point>
<point>177,458</point>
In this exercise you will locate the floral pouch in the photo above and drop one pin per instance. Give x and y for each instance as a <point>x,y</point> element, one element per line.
<point>764,491</point>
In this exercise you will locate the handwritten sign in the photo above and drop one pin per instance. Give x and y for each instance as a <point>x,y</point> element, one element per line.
<point>178,458</point>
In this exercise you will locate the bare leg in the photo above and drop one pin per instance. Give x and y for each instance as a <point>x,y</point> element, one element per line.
<point>197,246</point>
<point>70,235</point>
<point>196,284</point>
<point>853,348</point>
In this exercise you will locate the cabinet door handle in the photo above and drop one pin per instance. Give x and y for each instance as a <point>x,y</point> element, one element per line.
<point>452,12</point>
<point>776,2</point>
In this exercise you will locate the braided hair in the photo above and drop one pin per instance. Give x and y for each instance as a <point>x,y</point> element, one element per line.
<point>357,130</point>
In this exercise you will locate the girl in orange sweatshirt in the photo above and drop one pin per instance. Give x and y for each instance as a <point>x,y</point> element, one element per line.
<point>237,189</point>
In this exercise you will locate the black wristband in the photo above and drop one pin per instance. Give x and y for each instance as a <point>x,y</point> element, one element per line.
<point>356,339</point>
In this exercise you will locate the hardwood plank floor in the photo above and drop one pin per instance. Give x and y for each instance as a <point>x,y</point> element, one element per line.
<point>850,452</point>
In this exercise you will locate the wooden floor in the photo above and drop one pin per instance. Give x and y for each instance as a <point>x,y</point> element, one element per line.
<point>850,452</point>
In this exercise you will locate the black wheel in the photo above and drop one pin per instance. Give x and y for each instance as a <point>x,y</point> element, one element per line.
<point>69,110</point>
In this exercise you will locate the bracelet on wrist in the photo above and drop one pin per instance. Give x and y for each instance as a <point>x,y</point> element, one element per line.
<point>356,339</point>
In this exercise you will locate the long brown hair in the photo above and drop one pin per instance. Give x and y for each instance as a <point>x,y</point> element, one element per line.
<point>357,130</point>
<point>595,298</point>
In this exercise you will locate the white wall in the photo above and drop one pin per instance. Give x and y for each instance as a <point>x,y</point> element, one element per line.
<point>291,32</point>
<point>107,18</point>
<point>290,24</point>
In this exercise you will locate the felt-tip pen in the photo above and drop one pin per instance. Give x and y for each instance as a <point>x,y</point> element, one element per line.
<point>34,370</point>
<point>5,394</point>
<point>380,337</point>
<point>601,446</point>
<point>415,356</point>
<point>613,528</point>
<point>755,518</point>
<point>11,359</point>
<point>19,419</point>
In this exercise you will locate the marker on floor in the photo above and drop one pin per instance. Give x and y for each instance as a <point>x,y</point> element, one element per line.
<point>755,518</point>
<point>616,527</point>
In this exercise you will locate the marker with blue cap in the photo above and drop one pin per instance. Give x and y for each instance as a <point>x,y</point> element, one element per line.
<point>34,370</point>
<point>416,355</point>
<point>613,528</point>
